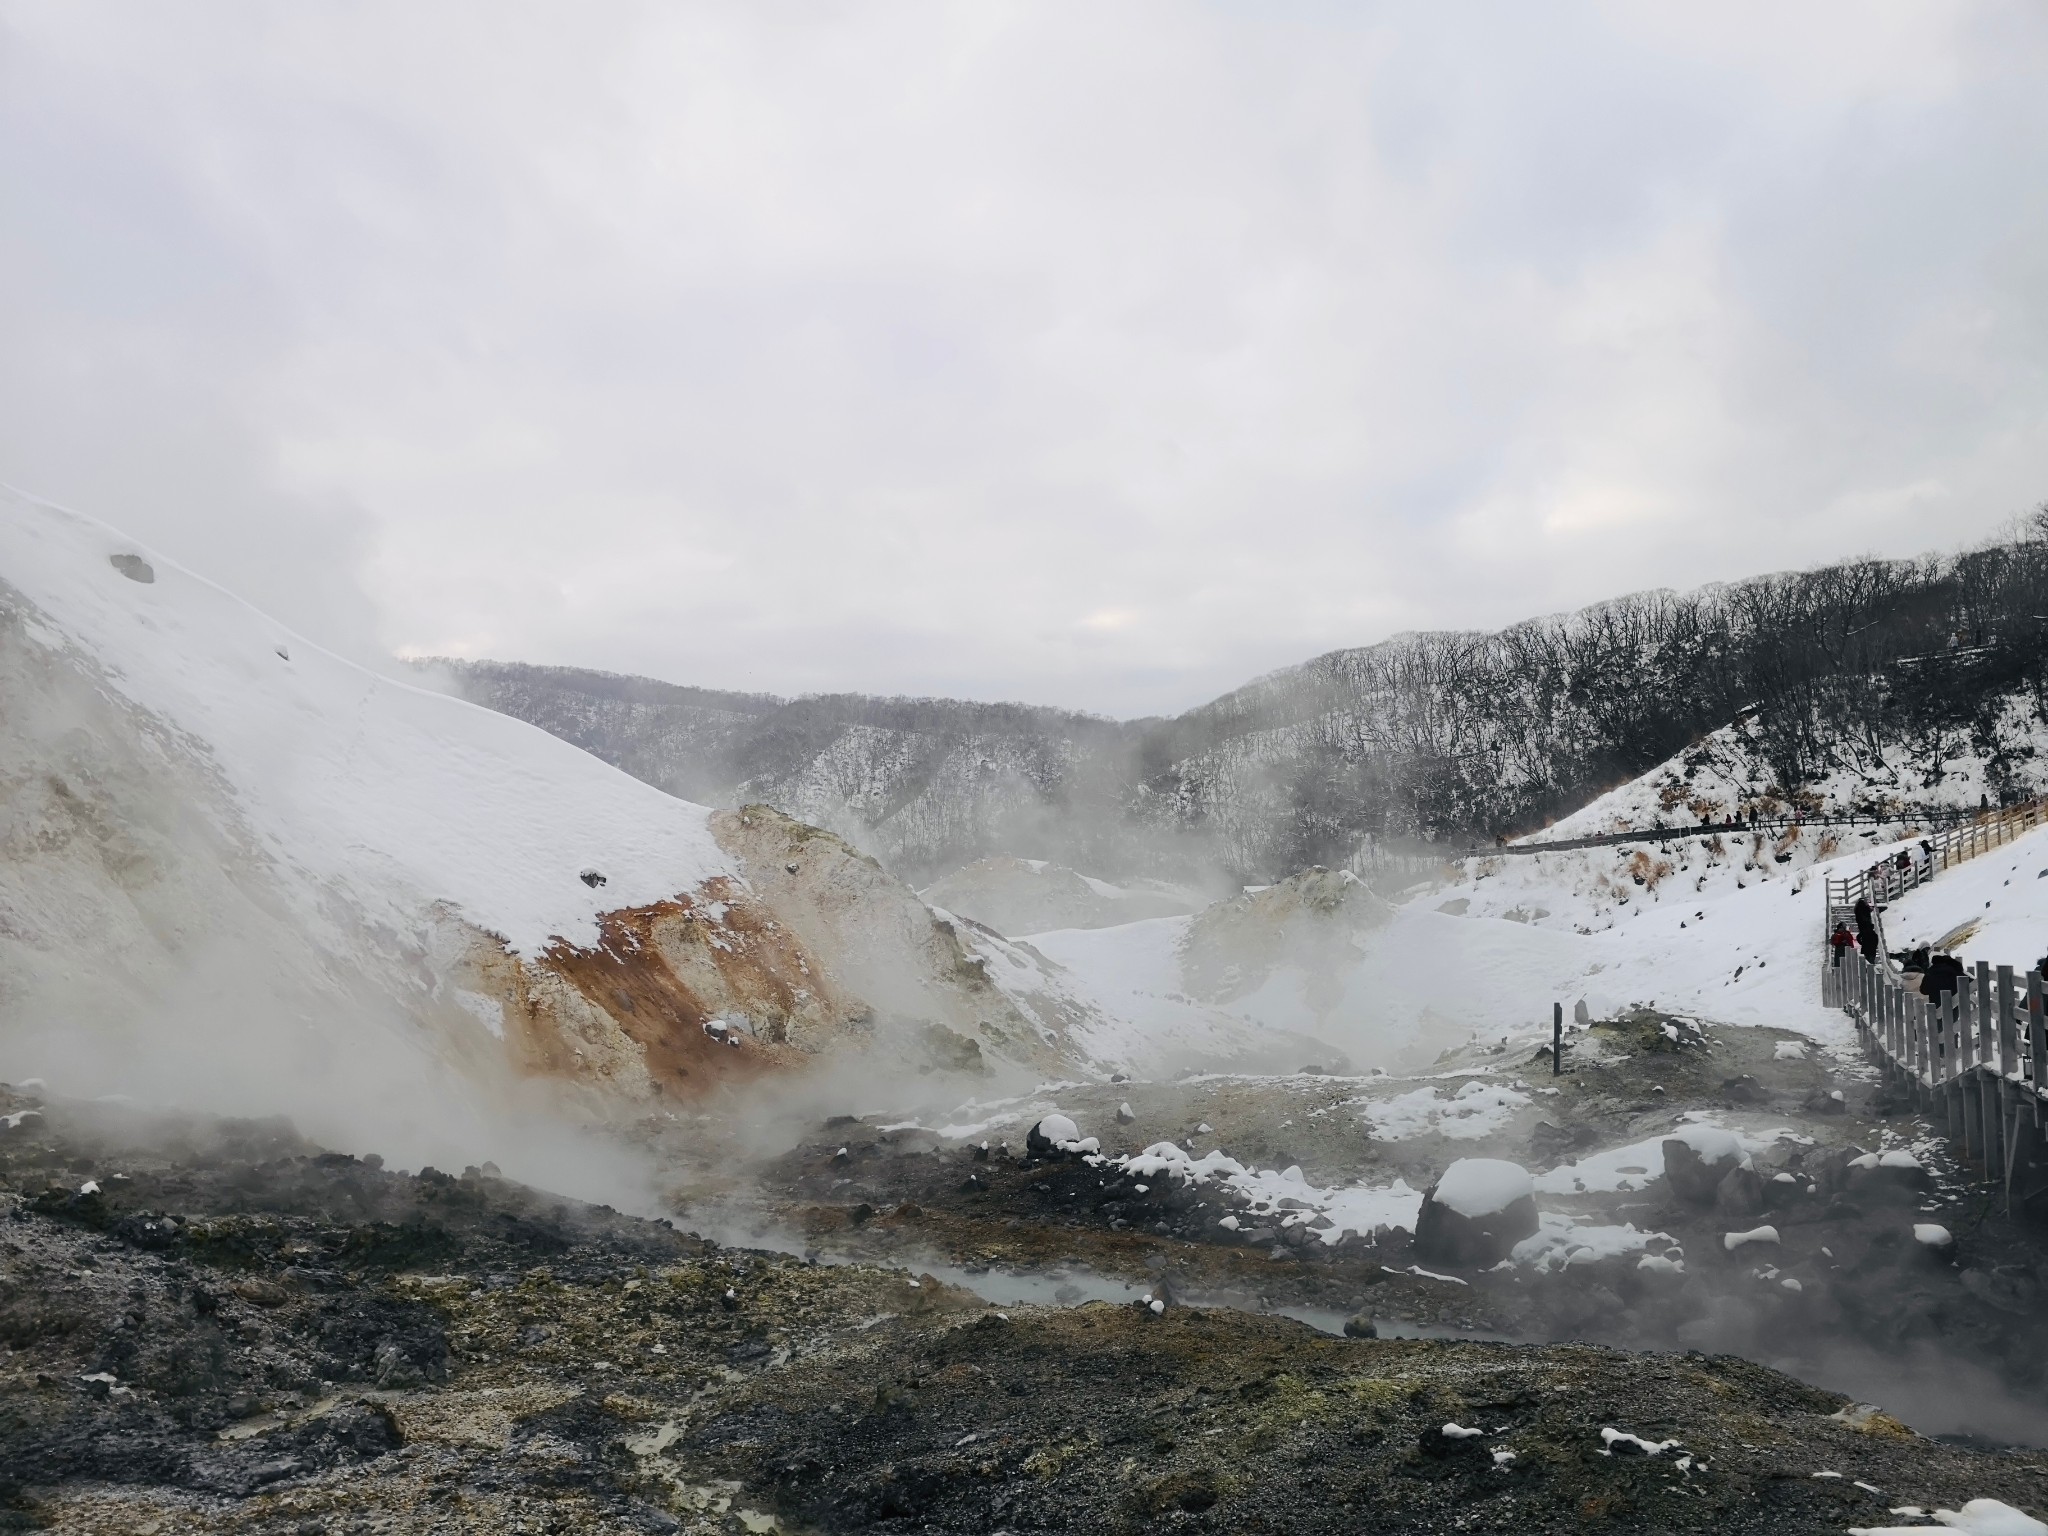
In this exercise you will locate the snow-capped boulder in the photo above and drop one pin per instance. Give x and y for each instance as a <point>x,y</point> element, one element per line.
<point>1476,1212</point>
<point>1058,1136</point>
<point>1935,1240</point>
<point>1889,1176</point>
<point>1698,1159</point>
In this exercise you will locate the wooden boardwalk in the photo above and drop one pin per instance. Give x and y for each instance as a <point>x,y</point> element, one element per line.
<point>1971,1058</point>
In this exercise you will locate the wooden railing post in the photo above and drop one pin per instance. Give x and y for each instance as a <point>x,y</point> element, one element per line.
<point>1930,1041</point>
<point>1966,1059</point>
<point>1997,1134</point>
<point>2009,1028</point>
<point>2037,1059</point>
<point>1983,1050</point>
<point>2027,1071</point>
<point>1917,1041</point>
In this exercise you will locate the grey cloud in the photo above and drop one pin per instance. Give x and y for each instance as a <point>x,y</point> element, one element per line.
<point>1096,358</point>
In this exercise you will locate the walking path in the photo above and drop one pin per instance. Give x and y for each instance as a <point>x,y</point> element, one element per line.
<point>1973,1056</point>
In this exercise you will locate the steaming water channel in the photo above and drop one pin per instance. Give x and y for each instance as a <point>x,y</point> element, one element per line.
<point>1077,1286</point>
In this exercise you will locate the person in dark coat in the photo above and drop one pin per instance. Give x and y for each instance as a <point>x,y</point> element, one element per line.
<point>1839,941</point>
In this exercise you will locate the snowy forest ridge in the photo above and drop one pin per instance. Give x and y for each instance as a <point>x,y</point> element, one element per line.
<point>1873,688</point>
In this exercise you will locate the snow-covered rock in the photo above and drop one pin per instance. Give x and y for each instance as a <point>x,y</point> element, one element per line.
<point>1476,1212</point>
<point>1895,1175</point>
<point>1482,1186</point>
<point>1698,1160</point>
<point>1935,1240</point>
<point>1057,1134</point>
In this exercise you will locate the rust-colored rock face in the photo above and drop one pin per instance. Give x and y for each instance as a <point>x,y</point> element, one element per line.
<point>674,999</point>
<point>813,948</point>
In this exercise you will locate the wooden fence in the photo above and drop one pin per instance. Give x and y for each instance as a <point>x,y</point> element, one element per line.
<point>1889,879</point>
<point>1973,1057</point>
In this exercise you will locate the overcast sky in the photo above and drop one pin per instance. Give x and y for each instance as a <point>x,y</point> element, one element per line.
<point>1099,355</point>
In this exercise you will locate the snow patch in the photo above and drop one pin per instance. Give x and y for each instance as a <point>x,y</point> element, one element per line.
<point>1476,1109</point>
<point>1979,1517</point>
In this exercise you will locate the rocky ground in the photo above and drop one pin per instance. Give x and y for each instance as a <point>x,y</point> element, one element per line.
<point>214,1327</point>
<point>1958,1331</point>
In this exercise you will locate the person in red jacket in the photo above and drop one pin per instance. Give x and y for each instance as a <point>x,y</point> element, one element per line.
<point>1840,940</point>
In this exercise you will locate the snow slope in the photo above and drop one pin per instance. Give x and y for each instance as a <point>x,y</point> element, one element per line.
<point>1993,908</point>
<point>240,873</point>
<point>395,795</point>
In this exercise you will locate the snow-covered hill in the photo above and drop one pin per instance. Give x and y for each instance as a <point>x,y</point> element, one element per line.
<point>239,871</point>
<point>1727,774</point>
<point>1907,684</point>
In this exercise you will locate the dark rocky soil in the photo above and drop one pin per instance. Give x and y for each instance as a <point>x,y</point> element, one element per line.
<point>217,1328</point>
<point>1958,1338</point>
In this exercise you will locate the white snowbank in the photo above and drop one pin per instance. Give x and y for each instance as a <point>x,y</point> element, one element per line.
<point>1733,1240</point>
<point>1932,1234</point>
<point>1979,1517</point>
<point>1480,1186</point>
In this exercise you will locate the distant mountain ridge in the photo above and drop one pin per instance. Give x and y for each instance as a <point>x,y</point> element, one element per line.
<point>1435,738</point>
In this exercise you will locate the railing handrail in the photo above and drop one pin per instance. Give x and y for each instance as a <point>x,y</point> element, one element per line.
<point>1889,879</point>
<point>1978,1048</point>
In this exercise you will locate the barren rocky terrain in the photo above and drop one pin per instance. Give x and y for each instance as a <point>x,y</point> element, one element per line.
<point>216,1327</point>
